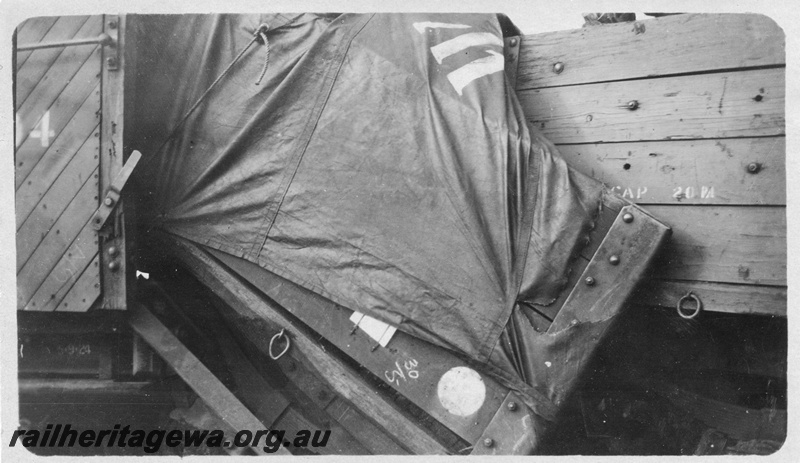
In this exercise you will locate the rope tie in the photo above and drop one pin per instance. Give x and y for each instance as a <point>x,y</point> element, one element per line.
<point>258,36</point>
<point>262,32</point>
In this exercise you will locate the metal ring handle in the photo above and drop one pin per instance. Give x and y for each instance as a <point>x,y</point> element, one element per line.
<point>272,342</point>
<point>689,295</point>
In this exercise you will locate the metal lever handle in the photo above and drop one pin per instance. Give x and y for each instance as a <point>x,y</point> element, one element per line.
<point>102,39</point>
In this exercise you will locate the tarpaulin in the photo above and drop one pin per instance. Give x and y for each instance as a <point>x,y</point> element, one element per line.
<point>382,162</point>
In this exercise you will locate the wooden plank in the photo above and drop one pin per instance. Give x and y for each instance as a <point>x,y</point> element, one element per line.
<point>721,105</point>
<point>390,364</point>
<point>40,202</point>
<point>69,125</point>
<point>688,172</point>
<point>195,374</point>
<point>85,291</point>
<point>32,31</point>
<point>728,244</point>
<point>716,297</point>
<point>80,254</point>
<point>686,43</point>
<point>48,78</point>
<point>376,441</point>
<point>33,268</point>
<point>342,378</point>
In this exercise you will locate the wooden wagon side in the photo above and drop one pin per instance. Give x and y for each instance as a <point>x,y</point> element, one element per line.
<point>683,115</point>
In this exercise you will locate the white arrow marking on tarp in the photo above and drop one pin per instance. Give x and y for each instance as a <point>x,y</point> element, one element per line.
<point>462,76</point>
<point>462,42</point>
<point>420,27</point>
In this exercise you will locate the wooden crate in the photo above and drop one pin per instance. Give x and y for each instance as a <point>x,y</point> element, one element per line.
<point>683,115</point>
<point>68,123</point>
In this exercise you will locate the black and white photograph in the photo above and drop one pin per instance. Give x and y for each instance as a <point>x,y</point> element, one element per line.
<point>498,228</point>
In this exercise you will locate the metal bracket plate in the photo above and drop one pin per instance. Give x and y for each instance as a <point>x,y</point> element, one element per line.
<point>111,53</point>
<point>511,431</point>
<point>511,51</point>
<point>114,191</point>
<point>614,270</point>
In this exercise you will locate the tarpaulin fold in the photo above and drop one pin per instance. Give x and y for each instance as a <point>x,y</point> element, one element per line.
<point>383,162</point>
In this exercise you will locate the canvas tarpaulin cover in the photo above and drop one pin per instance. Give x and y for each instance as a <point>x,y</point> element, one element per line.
<point>382,162</point>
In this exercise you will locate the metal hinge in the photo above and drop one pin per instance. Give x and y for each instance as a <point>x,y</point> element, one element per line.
<point>114,191</point>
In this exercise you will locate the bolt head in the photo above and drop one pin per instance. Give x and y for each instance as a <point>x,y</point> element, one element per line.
<point>488,442</point>
<point>111,61</point>
<point>613,260</point>
<point>512,406</point>
<point>753,167</point>
<point>627,217</point>
<point>112,24</point>
<point>558,68</point>
<point>108,202</point>
<point>113,266</point>
<point>513,42</point>
<point>633,104</point>
<point>113,251</point>
<point>589,281</point>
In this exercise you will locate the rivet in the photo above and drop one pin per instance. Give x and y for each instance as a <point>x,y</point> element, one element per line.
<point>113,266</point>
<point>513,42</point>
<point>112,251</point>
<point>589,281</point>
<point>112,24</point>
<point>488,442</point>
<point>753,167</point>
<point>109,202</point>
<point>512,406</point>
<point>558,67</point>
<point>589,118</point>
<point>614,260</point>
<point>633,104</point>
<point>111,61</point>
<point>627,217</point>
<point>573,322</point>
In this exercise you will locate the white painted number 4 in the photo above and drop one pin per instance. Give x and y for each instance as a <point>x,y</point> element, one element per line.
<point>42,130</point>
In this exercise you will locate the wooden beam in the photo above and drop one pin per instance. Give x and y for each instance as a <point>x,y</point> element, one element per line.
<point>430,362</point>
<point>716,297</point>
<point>721,105</point>
<point>688,172</point>
<point>726,244</point>
<point>195,374</point>
<point>677,44</point>
<point>342,378</point>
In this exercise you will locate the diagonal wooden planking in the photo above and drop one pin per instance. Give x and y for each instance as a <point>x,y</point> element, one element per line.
<point>32,31</point>
<point>720,105</point>
<point>32,83</point>
<point>66,271</point>
<point>688,171</point>
<point>40,203</point>
<point>33,159</point>
<point>32,269</point>
<point>32,65</point>
<point>726,244</point>
<point>85,291</point>
<point>54,105</point>
<point>677,44</point>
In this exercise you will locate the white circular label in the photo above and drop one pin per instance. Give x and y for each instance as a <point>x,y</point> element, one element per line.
<point>461,391</point>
